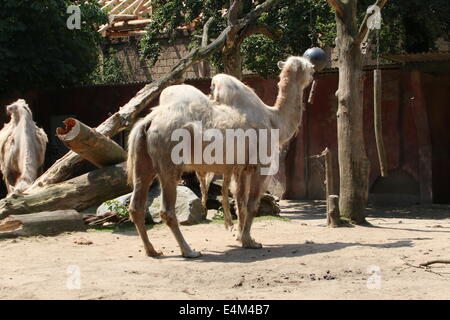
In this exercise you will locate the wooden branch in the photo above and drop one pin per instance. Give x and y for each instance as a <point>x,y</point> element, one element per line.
<point>121,17</point>
<point>90,144</point>
<point>424,268</point>
<point>42,223</point>
<point>79,193</point>
<point>131,33</point>
<point>312,91</point>
<point>363,30</point>
<point>255,13</point>
<point>338,6</point>
<point>63,169</point>
<point>204,70</point>
<point>206,31</point>
<point>260,28</point>
<point>425,264</point>
<point>377,122</point>
<point>234,12</point>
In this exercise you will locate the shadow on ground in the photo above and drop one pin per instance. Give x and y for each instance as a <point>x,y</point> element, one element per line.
<point>316,209</point>
<point>241,255</point>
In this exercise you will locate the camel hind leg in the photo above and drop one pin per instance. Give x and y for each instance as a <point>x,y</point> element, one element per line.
<point>169,197</point>
<point>241,195</point>
<point>144,173</point>
<point>226,202</point>
<point>204,180</point>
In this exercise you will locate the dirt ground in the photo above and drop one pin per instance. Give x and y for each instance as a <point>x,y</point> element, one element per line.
<point>301,259</point>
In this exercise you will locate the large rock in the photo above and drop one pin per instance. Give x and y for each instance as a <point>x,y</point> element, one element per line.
<point>188,207</point>
<point>268,206</point>
<point>121,201</point>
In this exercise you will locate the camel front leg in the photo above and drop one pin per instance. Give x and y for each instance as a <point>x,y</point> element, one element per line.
<point>169,197</point>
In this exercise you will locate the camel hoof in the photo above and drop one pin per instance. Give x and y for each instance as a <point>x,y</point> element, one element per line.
<point>154,254</point>
<point>229,227</point>
<point>192,254</point>
<point>252,245</point>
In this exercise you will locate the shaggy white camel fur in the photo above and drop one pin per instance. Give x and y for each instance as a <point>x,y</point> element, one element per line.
<point>22,148</point>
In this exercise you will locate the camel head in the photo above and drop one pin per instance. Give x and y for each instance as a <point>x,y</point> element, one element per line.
<point>298,68</point>
<point>18,109</point>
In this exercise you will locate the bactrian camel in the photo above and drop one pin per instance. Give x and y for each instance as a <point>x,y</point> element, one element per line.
<point>22,148</point>
<point>183,107</point>
<point>170,94</point>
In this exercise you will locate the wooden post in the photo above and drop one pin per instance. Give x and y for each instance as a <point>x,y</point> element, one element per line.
<point>378,122</point>
<point>419,111</point>
<point>328,173</point>
<point>333,216</point>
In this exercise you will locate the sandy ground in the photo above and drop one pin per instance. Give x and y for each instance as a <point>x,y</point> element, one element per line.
<point>301,259</point>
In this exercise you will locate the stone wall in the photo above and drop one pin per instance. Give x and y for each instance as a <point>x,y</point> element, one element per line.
<point>139,70</point>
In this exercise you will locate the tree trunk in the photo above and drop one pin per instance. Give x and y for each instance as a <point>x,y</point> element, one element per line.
<point>79,193</point>
<point>90,145</point>
<point>232,59</point>
<point>354,165</point>
<point>42,223</point>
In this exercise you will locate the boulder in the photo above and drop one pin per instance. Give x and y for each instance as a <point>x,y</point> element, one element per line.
<point>188,207</point>
<point>268,206</point>
<point>121,201</point>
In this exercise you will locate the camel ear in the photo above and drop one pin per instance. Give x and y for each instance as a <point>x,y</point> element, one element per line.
<point>281,64</point>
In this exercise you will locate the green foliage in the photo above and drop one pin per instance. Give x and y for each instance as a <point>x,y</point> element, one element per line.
<point>38,50</point>
<point>408,26</point>
<point>169,15</point>
<point>110,72</point>
<point>219,215</point>
<point>290,19</point>
<point>117,207</point>
<point>300,24</point>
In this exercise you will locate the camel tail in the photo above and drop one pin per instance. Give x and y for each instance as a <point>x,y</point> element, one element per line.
<point>138,156</point>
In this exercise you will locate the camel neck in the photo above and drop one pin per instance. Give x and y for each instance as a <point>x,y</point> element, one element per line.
<point>289,105</point>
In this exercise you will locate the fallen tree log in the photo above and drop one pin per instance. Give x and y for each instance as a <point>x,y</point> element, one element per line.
<point>63,169</point>
<point>42,223</point>
<point>90,144</point>
<point>79,193</point>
